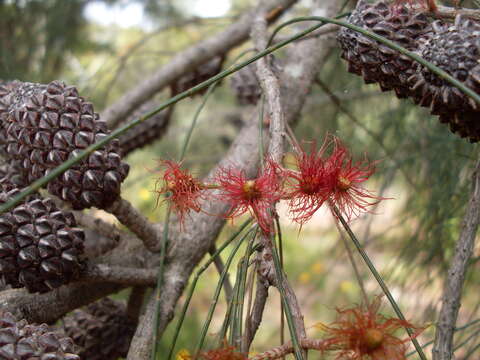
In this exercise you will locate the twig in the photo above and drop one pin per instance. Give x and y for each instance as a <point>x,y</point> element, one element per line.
<point>129,216</point>
<point>119,275</point>
<point>255,317</point>
<point>452,292</point>
<point>445,12</point>
<point>187,60</point>
<point>280,351</point>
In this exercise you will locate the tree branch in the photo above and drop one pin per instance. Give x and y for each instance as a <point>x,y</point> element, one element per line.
<point>452,292</point>
<point>141,345</point>
<point>49,307</point>
<point>271,90</point>
<point>136,223</point>
<point>187,60</point>
<point>119,275</point>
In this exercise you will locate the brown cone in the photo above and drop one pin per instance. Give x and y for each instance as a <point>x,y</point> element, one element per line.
<point>41,126</point>
<point>102,330</point>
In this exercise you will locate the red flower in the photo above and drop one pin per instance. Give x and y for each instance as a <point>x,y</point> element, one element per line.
<point>346,177</point>
<point>225,353</point>
<point>184,190</point>
<point>258,196</point>
<point>361,333</point>
<point>309,186</point>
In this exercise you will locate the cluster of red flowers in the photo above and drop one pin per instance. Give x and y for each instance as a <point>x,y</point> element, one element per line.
<point>317,179</point>
<point>362,333</point>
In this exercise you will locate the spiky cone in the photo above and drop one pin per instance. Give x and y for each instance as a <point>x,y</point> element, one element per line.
<point>102,330</point>
<point>43,126</point>
<point>40,245</point>
<point>455,49</point>
<point>375,62</point>
<point>147,131</point>
<point>198,75</point>
<point>245,83</point>
<point>22,341</point>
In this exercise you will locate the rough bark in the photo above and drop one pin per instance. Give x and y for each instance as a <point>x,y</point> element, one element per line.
<point>452,292</point>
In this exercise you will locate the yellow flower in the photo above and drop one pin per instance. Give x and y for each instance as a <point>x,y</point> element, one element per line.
<point>305,277</point>
<point>144,194</point>
<point>183,354</point>
<point>347,287</point>
<point>317,268</point>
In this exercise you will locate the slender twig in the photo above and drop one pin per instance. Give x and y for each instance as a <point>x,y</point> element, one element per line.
<point>443,348</point>
<point>378,277</point>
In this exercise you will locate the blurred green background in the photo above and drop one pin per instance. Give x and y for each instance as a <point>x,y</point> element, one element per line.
<point>107,47</point>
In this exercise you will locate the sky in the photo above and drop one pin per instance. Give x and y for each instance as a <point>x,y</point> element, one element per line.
<point>126,13</point>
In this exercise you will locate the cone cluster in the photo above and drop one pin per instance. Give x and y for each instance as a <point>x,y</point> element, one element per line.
<point>102,330</point>
<point>452,47</point>
<point>22,341</point>
<point>41,126</point>
<point>40,245</point>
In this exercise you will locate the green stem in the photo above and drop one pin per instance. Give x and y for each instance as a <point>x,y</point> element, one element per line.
<point>161,268</point>
<point>241,294</point>
<point>194,284</point>
<point>288,311</point>
<point>217,293</point>
<point>378,277</point>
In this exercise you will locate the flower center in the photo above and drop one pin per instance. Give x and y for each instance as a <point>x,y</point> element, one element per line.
<point>250,190</point>
<point>309,185</point>
<point>373,338</point>
<point>343,183</point>
<point>171,185</point>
